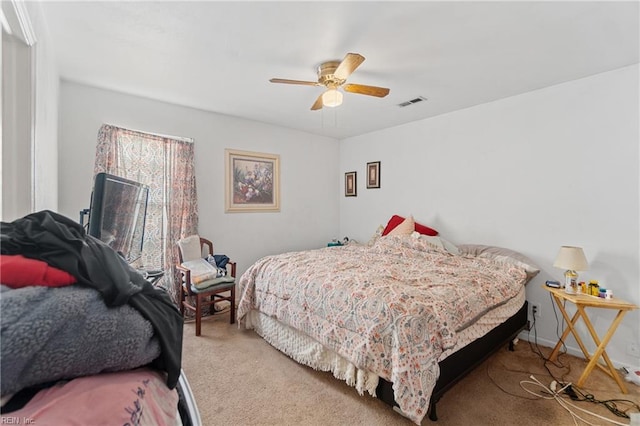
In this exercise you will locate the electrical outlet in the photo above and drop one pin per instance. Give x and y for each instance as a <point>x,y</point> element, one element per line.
<point>633,349</point>
<point>535,310</point>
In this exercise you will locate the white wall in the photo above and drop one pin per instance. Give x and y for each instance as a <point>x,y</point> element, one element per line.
<point>557,166</point>
<point>308,166</point>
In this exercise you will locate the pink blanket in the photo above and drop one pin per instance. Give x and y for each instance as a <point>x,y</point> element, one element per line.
<point>134,397</point>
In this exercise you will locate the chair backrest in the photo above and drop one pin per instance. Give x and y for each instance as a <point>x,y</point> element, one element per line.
<point>190,248</point>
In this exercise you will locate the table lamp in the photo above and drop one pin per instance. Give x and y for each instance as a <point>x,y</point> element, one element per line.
<point>572,259</point>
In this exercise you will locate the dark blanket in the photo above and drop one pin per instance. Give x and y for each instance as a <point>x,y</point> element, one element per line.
<point>63,243</point>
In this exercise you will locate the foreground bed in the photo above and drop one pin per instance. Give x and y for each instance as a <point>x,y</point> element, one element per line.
<point>386,317</point>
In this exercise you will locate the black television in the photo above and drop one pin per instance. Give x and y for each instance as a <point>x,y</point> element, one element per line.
<point>117,214</point>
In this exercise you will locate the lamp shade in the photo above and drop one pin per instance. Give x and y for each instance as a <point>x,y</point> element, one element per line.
<point>331,98</point>
<point>571,258</point>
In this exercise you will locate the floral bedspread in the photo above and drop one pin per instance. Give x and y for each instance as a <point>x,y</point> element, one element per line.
<point>391,308</point>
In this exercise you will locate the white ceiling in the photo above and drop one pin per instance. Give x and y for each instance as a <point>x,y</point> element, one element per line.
<point>219,56</point>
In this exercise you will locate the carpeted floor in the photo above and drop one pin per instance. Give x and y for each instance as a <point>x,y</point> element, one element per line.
<point>239,379</point>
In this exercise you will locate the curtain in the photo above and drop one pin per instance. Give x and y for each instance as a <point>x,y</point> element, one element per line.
<point>167,166</point>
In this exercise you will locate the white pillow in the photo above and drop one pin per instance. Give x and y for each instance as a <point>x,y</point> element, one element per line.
<point>190,247</point>
<point>439,243</point>
<point>450,247</point>
<point>432,241</point>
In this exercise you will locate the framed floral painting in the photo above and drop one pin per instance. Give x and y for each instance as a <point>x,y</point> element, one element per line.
<point>252,181</point>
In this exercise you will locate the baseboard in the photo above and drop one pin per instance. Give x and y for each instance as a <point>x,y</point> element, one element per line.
<point>575,351</point>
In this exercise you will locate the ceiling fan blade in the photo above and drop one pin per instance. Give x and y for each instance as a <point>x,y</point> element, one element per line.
<point>348,65</point>
<point>285,81</point>
<point>317,104</point>
<point>380,92</point>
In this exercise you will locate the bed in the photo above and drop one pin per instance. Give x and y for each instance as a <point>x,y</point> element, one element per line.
<point>402,318</point>
<point>86,339</point>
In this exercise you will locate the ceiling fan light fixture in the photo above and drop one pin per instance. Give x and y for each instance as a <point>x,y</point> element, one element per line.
<point>332,98</point>
<point>333,75</point>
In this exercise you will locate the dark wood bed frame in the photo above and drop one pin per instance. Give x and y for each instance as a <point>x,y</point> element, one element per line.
<point>457,365</point>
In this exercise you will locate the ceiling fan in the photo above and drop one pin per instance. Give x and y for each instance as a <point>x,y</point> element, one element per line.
<point>334,74</point>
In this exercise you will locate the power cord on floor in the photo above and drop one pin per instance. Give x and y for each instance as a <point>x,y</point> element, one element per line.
<point>576,394</point>
<point>536,350</point>
<point>553,393</point>
<point>504,390</point>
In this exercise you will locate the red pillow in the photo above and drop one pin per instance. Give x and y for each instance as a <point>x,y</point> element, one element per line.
<point>397,220</point>
<point>18,271</point>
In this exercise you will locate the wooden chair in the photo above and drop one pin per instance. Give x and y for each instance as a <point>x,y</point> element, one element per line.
<point>203,289</point>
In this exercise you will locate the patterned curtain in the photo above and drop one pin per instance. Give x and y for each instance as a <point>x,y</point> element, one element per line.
<point>166,165</point>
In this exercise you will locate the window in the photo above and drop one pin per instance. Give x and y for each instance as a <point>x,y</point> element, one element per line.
<point>166,165</point>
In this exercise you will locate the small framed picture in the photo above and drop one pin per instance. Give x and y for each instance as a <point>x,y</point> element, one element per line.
<point>373,174</point>
<point>350,184</point>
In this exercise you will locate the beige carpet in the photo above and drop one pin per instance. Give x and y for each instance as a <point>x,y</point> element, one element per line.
<point>239,379</point>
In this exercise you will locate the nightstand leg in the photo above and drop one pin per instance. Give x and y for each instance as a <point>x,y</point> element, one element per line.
<point>600,351</point>
<point>565,333</point>
<point>571,322</point>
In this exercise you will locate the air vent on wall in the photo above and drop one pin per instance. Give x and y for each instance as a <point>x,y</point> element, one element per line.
<point>412,101</point>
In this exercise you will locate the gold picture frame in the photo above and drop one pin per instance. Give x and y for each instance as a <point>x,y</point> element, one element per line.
<point>350,184</point>
<point>373,174</point>
<point>252,181</point>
